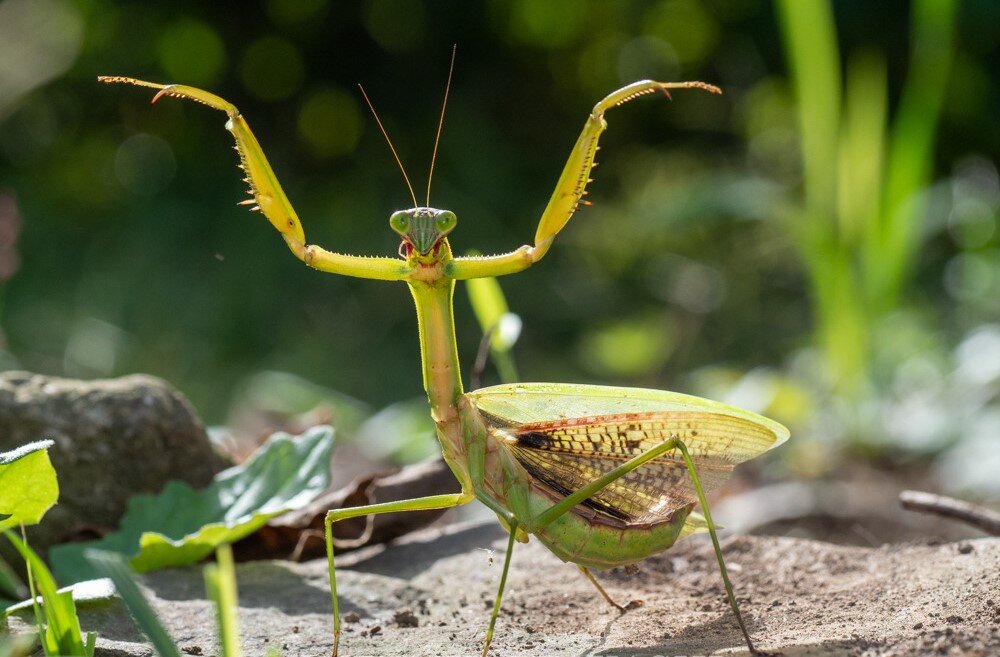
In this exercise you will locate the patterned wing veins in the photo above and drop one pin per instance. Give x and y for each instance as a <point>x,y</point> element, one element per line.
<point>568,454</point>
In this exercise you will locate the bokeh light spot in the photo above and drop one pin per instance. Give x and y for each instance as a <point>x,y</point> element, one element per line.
<point>547,24</point>
<point>191,52</point>
<point>30,132</point>
<point>295,12</point>
<point>272,69</point>
<point>697,288</point>
<point>93,348</point>
<point>647,58</point>
<point>395,24</point>
<point>630,348</point>
<point>39,40</point>
<point>145,164</point>
<point>686,25</point>
<point>330,123</point>
<point>972,222</point>
<point>973,277</point>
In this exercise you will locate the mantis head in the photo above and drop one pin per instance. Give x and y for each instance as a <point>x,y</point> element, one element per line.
<point>422,229</point>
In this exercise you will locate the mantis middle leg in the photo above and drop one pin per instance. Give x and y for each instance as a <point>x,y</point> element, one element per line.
<point>566,504</point>
<point>510,520</point>
<point>418,504</point>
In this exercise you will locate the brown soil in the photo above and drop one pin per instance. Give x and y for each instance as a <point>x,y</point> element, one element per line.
<point>431,595</point>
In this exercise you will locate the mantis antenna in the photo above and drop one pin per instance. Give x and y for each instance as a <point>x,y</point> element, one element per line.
<point>389,141</point>
<point>437,139</point>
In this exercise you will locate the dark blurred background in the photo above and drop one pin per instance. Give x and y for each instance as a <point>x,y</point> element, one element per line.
<point>847,284</point>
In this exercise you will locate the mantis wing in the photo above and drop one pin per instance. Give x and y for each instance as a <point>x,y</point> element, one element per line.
<point>566,436</point>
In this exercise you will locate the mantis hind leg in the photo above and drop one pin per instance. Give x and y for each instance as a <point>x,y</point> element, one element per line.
<point>567,503</point>
<point>715,544</point>
<point>604,594</point>
<point>418,504</point>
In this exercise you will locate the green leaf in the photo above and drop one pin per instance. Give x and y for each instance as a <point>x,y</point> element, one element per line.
<point>181,526</point>
<point>113,565</point>
<point>28,486</point>
<point>91,592</point>
<point>402,432</point>
<point>285,395</point>
<point>61,635</point>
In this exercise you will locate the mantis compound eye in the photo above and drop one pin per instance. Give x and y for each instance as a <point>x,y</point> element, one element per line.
<point>446,222</point>
<point>399,222</point>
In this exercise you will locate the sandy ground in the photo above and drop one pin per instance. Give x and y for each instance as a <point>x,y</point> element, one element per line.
<point>431,595</point>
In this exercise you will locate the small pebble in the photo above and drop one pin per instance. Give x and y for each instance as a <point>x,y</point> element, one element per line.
<point>405,618</point>
<point>352,617</point>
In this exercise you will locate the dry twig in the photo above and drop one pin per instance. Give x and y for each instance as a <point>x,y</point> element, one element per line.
<point>948,507</point>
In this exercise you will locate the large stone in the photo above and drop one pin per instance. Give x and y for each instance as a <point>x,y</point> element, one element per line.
<point>113,438</point>
<point>799,597</point>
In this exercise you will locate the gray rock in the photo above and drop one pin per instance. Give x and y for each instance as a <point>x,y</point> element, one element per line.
<point>799,598</point>
<point>113,438</point>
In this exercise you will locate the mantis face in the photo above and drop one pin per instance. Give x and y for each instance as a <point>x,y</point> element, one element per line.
<point>422,229</point>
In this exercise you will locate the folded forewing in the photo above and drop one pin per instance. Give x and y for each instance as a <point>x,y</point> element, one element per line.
<point>568,436</point>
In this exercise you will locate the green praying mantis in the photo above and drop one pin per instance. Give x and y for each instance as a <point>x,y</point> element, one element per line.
<point>602,476</point>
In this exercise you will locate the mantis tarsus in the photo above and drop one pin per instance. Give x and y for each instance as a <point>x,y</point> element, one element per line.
<point>602,476</point>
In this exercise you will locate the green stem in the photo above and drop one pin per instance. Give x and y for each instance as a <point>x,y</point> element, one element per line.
<point>220,580</point>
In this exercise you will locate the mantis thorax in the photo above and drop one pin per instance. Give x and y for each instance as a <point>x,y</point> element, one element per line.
<point>422,230</point>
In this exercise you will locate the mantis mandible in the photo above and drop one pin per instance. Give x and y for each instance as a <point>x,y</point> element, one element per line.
<point>602,476</point>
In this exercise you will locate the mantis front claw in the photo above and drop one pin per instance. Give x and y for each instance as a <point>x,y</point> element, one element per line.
<point>264,190</point>
<point>266,193</point>
<point>177,91</point>
<point>572,186</point>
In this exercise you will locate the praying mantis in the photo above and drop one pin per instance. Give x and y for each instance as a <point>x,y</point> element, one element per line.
<point>602,476</point>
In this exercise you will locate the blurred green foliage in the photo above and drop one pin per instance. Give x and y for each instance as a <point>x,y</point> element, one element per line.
<point>698,264</point>
<point>863,215</point>
<point>180,525</point>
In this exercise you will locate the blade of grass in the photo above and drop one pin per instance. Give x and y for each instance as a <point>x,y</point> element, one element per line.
<point>811,48</point>
<point>810,39</point>
<point>862,147</point>
<point>911,151</point>
<point>113,566</point>
<point>220,582</point>
<point>62,627</point>
<point>35,607</point>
